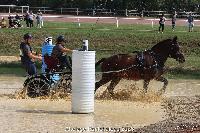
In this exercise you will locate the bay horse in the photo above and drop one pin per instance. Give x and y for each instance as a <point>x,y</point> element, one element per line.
<point>146,65</point>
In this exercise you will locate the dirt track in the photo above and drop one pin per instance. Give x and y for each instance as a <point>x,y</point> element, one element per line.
<point>113,20</point>
<point>9,59</point>
<point>109,20</point>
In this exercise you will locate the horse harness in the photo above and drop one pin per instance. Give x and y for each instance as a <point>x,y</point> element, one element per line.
<point>143,66</point>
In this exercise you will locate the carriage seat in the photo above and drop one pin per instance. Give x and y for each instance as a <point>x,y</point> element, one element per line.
<point>52,63</point>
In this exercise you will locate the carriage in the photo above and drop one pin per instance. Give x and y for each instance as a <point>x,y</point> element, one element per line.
<point>42,84</point>
<point>145,66</point>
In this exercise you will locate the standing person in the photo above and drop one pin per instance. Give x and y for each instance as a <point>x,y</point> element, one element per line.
<point>17,17</point>
<point>28,56</point>
<point>162,23</point>
<point>31,19</point>
<point>42,21</point>
<point>39,20</point>
<point>26,18</point>
<point>59,50</point>
<point>173,21</point>
<point>10,21</point>
<point>190,22</point>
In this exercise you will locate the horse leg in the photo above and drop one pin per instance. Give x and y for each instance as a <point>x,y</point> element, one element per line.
<point>112,85</point>
<point>164,80</point>
<point>145,85</point>
<point>103,81</point>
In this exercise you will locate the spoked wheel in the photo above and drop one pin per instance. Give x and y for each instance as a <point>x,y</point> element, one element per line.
<point>38,87</point>
<point>65,83</point>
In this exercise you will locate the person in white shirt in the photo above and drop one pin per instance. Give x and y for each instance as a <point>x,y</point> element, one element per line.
<point>162,23</point>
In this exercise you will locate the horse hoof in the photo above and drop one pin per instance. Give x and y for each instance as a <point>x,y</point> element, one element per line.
<point>111,93</point>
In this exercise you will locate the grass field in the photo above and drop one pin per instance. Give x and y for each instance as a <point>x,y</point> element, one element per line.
<point>106,40</point>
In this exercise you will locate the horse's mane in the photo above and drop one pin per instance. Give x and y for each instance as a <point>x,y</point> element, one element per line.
<point>162,44</point>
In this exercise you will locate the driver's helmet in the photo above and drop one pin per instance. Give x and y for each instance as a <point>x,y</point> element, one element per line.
<point>60,38</point>
<point>27,36</point>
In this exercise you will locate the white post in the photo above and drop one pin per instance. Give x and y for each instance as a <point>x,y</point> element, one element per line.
<point>142,15</point>
<point>9,9</point>
<point>79,24</point>
<point>83,81</point>
<point>85,45</point>
<point>152,23</point>
<point>117,22</point>
<point>77,11</point>
<point>126,13</point>
<point>22,9</point>
<point>93,12</point>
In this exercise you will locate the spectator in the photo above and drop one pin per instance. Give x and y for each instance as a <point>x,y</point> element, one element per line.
<point>17,17</point>
<point>42,22</point>
<point>3,23</point>
<point>26,18</point>
<point>39,20</point>
<point>173,21</point>
<point>28,56</point>
<point>190,22</point>
<point>162,23</point>
<point>31,19</point>
<point>11,21</point>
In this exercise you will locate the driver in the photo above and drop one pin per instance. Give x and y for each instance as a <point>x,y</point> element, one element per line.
<point>28,56</point>
<point>59,50</point>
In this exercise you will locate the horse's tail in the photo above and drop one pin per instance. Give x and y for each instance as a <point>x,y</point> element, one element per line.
<point>99,62</point>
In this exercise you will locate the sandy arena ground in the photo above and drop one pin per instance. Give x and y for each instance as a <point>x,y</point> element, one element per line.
<point>175,111</point>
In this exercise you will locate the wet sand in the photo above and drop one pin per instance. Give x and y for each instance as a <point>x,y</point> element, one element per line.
<point>150,113</point>
<point>29,115</point>
<point>10,83</point>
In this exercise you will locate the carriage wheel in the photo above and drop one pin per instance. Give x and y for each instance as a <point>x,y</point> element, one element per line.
<point>65,83</point>
<point>38,87</point>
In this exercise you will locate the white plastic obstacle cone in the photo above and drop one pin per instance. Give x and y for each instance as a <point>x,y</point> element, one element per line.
<point>152,23</point>
<point>83,81</point>
<point>79,24</point>
<point>117,22</point>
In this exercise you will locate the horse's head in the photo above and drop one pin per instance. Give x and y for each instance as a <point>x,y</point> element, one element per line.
<point>175,51</point>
